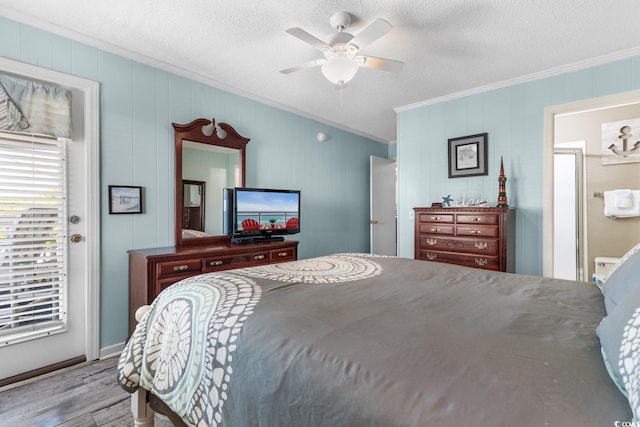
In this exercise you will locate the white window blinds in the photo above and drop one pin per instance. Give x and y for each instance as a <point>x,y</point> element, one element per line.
<point>32,237</point>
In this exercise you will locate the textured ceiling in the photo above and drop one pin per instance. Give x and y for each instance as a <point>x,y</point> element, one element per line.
<point>447,46</point>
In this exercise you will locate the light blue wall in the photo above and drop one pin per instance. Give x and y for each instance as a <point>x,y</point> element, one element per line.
<point>393,150</point>
<point>513,118</point>
<point>137,106</point>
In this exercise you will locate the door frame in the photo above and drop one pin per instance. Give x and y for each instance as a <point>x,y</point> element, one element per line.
<point>619,99</point>
<point>86,115</point>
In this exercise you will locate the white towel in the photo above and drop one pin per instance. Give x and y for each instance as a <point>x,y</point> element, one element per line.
<point>623,198</point>
<point>622,203</point>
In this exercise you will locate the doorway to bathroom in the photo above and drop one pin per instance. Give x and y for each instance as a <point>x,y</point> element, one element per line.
<point>566,251</point>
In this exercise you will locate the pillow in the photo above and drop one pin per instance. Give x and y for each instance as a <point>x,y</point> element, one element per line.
<point>619,335</point>
<point>623,279</point>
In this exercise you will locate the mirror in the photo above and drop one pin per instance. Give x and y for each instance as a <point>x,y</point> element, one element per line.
<point>193,199</point>
<point>208,157</point>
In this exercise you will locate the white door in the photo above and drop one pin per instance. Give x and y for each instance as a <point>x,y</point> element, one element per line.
<point>382,217</point>
<point>74,335</point>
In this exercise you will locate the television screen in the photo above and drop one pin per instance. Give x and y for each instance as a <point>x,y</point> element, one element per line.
<point>264,212</point>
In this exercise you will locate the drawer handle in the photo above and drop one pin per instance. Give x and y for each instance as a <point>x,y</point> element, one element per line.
<point>435,218</point>
<point>475,218</point>
<point>481,245</point>
<point>434,229</point>
<point>475,231</point>
<point>258,257</point>
<point>214,263</point>
<point>482,261</point>
<point>431,257</point>
<point>283,254</point>
<point>181,267</point>
<point>431,242</point>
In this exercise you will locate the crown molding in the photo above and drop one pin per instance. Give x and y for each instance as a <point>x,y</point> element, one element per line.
<point>600,60</point>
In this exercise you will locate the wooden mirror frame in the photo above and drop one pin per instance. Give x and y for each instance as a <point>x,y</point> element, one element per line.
<point>195,132</point>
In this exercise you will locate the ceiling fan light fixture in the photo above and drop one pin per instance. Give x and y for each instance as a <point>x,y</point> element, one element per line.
<point>339,68</point>
<point>343,51</point>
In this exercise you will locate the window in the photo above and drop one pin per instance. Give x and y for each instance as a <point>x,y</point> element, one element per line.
<point>32,236</point>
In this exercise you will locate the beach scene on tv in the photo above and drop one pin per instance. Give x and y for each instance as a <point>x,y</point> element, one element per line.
<point>257,210</point>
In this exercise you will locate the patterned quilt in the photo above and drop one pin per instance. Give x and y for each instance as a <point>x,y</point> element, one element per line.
<point>182,349</point>
<point>361,340</point>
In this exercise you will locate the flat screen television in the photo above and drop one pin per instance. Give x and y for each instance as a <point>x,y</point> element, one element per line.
<point>258,214</point>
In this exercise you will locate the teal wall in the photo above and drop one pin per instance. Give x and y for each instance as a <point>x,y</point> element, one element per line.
<point>138,103</point>
<point>514,119</point>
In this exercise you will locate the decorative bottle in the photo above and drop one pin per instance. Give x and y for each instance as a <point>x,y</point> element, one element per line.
<point>502,187</point>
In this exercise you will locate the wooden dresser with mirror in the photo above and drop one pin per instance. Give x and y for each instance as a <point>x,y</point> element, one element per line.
<point>200,245</point>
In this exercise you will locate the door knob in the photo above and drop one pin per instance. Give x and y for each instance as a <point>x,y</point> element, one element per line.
<point>76,238</point>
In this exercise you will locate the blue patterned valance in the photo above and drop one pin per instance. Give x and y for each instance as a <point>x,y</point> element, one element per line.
<point>34,107</point>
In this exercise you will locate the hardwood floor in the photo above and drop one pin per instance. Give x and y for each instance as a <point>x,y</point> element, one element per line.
<point>85,395</point>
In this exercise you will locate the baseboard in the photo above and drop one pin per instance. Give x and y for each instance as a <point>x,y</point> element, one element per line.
<point>25,377</point>
<point>112,350</point>
<point>15,381</point>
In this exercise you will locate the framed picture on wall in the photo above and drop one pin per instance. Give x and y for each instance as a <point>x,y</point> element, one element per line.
<point>468,156</point>
<point>125,199</point>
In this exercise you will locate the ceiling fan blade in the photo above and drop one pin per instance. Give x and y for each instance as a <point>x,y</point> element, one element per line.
<point>373,32</point>
<point>379,63</point>
<point>301,34</point>
<point>303,66</point>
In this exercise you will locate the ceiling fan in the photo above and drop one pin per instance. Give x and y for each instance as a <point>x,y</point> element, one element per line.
<point>342,57</point>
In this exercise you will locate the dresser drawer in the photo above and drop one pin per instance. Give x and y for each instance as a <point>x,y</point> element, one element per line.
<point>176,268</point>
<point>435,217</point>
<point>248,260</point>
<point>435,228</point>
<point>222,262</point>
<point>226,262</point>
<point>282,255</point>
<point>480,218</point>
<point>469,260</point>
<point>163,284</point>
<point>479,246</point>
<point>478,261</point>
<point>216,263</point>
<point>477,230</point>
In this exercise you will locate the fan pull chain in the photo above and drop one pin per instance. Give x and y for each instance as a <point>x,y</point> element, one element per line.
<point>340,86</point>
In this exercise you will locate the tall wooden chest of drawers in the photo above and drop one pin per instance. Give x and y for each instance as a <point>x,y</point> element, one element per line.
<point>475,237</point>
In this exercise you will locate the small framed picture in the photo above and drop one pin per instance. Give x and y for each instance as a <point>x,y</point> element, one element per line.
<point>125,199</point>
<point>468,156</point>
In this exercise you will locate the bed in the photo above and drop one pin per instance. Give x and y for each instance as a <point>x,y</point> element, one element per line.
<point>365,340</point>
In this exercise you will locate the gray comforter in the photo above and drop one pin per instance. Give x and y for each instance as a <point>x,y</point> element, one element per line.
<point>358,340</point>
